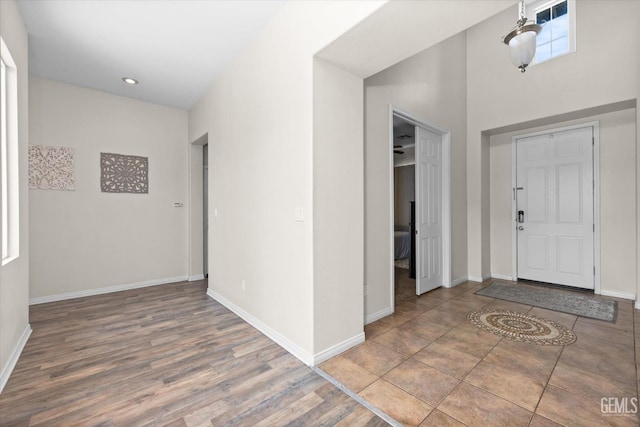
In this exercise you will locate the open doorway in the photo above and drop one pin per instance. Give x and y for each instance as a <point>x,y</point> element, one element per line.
<point>198,208</point>
<point>421,222</point>
<point>205,210</point>
<point>404,209</point>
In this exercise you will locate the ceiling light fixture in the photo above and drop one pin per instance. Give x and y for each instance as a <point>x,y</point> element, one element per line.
<point>522,40</point>
<point>130,81</point>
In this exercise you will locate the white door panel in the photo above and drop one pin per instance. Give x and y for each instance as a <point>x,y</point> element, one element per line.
<point>555,192</point>
<point>429,210</point>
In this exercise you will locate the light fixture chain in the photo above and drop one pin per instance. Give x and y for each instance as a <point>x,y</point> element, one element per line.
<point>523,15</point>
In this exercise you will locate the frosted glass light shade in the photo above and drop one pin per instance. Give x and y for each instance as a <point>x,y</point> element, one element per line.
<point>522,43</point>
<point>523,48</point>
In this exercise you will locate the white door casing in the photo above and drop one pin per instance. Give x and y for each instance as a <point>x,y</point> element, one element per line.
<point>555,192</point>
<point>429,228</point>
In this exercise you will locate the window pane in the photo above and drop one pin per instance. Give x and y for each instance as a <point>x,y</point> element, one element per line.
<point>543,53</point>
<point>543,16</point>
<point>545,35</point>
<point>559,27</point>
<point>560,46</point>
<point>559,10</point>
<point>3,154</point>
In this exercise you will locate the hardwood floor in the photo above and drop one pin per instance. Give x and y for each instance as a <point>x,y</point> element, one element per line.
<point>164,355</point>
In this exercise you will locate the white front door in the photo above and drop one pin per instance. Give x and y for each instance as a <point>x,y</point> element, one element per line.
<point>428,210</point>
<point>554,208</point>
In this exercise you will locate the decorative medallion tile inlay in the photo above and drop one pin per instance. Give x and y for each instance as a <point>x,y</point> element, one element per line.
<point>521,327</point>
<point>51,168</point>
<point>124,174</point>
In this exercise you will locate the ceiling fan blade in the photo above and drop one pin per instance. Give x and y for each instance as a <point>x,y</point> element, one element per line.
<point>397,146</point>
<point>398,152</point>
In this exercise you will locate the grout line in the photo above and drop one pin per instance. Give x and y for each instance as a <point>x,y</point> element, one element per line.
<point>546,384</point>
<point>357,397</point>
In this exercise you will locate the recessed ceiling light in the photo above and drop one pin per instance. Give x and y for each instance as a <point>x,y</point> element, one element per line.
<point>130,81</point>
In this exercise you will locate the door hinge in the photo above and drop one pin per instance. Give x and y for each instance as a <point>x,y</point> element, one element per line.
<point>594,270</point>
<point>594,228</point>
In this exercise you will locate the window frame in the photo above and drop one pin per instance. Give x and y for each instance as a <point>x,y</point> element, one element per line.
<point>9,159</point>
<point>539,6</point>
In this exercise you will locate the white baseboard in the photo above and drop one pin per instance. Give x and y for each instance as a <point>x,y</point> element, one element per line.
<point>458,281</point>
<point>271,333</point>
<point>15,355</point>
<point>502,277</point>
<point>107,290</point>
<point>623,295</point>
<point>335,350</point>
<point>370,318</point>
<point>478,279</point>
<point>196,277</point>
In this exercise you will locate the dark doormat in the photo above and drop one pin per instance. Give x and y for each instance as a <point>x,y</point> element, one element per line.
<point>553,299</point>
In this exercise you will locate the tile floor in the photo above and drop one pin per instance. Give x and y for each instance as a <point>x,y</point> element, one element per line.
<point>427,365</point>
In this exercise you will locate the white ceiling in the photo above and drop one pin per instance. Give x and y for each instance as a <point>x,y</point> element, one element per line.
<point>175,48</point>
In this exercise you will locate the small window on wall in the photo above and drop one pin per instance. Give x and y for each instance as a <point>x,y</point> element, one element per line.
<point>8,155</point>
<point>558,35</point>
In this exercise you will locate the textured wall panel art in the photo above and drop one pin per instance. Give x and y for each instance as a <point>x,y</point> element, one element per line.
<point>51,168</point>
<point>124,174</point>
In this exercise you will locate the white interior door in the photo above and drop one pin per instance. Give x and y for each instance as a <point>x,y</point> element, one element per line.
<point>428,210</point>
<point>555,234</point>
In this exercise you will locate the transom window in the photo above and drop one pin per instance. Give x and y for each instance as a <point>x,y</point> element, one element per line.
<point>557,37</point>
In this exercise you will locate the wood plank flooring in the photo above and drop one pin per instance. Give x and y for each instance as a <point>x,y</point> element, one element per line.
<point>163,355</point>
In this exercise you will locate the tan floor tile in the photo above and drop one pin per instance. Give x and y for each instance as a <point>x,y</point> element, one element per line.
<point>439,419</point>
<point>447,359</point>
<point>573,410</point>
<point>470,286</point>
<point>624,320</point>
<point>460,307</point>
<point>535,361</point>
<point>425,329</point>
<point>395,402</point>
<point>427,302</point>
<point>512,375</point>
<point>348,373</point>
<point>360,417</point>
<point>439,316</point>
<point>439,294</point>
<point>509,305</point>
<point>589,383</point>
<point>470,339</point>
<point>375,357</point>
<point>605,333</point>
<point>565,319</point>
<point>473,300</point>
<point>424,382</point>
<point>376,328</point>
<point>475,407</point>
<point>593,360</point>
<point>410,308</point>
<point>402,341</point>
<point>396,319</point>
<point>510,385</point>
<point>539,421</point>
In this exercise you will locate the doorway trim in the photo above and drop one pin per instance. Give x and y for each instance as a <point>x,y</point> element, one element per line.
<point>446,196</point>
<point>596,195</point>
<point>195,209</point>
